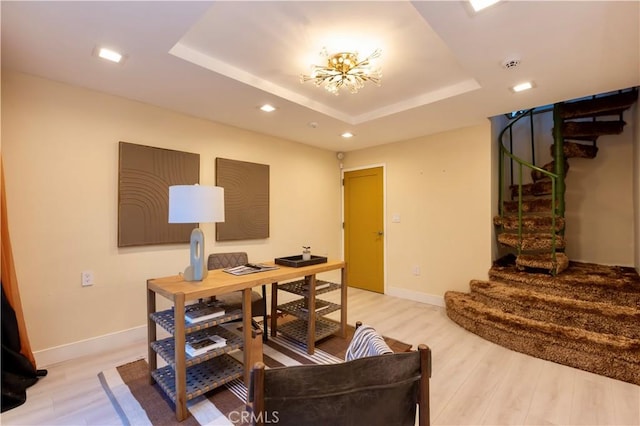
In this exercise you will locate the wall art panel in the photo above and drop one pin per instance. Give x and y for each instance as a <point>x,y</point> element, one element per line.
<point>144,176</point>
<point>246,200</point>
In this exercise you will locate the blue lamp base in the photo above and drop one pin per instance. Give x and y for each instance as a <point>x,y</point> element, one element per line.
<point>197,269</point>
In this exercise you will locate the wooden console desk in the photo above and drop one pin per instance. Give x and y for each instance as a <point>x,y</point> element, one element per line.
<point>219,282</point>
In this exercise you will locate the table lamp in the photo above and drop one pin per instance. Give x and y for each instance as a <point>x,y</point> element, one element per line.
<point>196,204</point>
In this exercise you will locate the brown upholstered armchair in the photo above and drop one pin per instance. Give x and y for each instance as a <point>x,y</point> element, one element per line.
<point>378,390</point>
<point>234,300</point>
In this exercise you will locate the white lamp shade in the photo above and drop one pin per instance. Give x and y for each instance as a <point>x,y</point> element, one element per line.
<point>196,204</point>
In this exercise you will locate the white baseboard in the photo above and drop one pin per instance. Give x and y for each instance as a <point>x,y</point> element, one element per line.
<point>417,296</point>
<point>93,346</point>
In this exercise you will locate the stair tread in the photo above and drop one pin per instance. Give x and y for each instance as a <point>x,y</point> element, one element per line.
<point>530,222</point>
<point>542,299</point>
<point>544,261</point>
<point>550,167</point>
<point>613,104</point>
<point>538,188</point>
<point>531,241</point>
<point>600,339</point>
<point>595,316</point>
<point>592,128</point>
<point>614,284</point>
<point>576,150</point>
<point>582,138</point>
<point>537,205</point>
<point>534,235</point>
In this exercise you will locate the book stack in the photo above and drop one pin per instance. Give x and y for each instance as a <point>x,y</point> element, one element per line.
<point>202,345</point>
<point>199,312</point>
<point>249,268</point>
<point>319,285</point>
<point>318,308</point>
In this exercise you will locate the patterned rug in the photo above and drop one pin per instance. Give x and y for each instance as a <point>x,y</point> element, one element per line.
<point>140,403</point>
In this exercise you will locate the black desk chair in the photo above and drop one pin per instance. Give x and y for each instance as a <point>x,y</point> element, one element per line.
<point>234,299</point>
<point>379,390</point>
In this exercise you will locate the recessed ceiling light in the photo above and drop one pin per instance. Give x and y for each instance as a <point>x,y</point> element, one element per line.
<point>522,86</point>
<point>478,5</point>
<point>347,135</point>
<point>110,55</point>
<point>267,108</point>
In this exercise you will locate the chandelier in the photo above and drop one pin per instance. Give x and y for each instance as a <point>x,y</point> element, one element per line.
<point>344,70</point>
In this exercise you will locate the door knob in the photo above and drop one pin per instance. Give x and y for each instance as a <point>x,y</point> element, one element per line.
<point>380,233</point>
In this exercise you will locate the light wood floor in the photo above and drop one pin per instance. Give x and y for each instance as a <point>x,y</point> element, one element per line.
<point>474,382</point>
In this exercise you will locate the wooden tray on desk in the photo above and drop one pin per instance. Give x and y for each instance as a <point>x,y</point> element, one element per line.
<point>297,262</point>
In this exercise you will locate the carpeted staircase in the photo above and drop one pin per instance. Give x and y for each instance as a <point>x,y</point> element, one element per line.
<point>536,300</point>
<point>587,317</point>
<point>531,222</point>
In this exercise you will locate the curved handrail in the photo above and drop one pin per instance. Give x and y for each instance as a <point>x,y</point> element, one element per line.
<point>522,163</point>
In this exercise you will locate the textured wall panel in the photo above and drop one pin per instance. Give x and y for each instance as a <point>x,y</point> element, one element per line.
<point>246,200</point>
<point>144,176</point>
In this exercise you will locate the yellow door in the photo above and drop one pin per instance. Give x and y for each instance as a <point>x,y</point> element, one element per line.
<point>363,229</point>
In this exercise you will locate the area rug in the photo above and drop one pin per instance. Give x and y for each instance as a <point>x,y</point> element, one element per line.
<point>139,403</point>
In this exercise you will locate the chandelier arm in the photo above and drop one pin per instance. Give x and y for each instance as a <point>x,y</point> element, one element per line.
<point>366,60</point>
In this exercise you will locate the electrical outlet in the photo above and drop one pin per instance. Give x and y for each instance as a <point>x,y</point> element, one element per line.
<point>416,270</point>
<point>87,278</point>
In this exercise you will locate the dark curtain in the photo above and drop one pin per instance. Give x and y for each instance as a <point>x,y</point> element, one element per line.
<point>17,371</point>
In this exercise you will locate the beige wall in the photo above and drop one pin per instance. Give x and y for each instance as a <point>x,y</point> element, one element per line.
<point>599,204</point>
<point>60,147</point>
<point>60,152</point>
<point>440,186</point>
